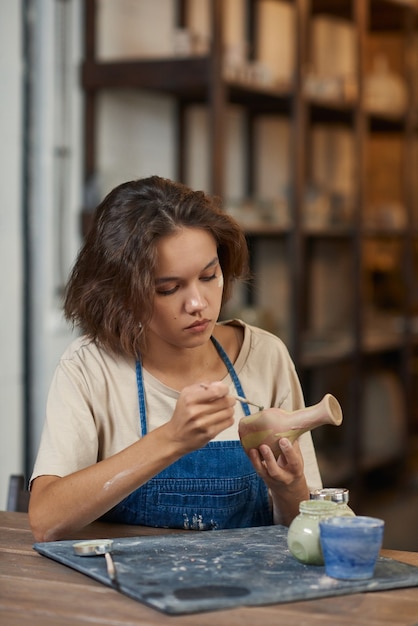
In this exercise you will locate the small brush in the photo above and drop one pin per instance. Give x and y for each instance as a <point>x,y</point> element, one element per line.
<point>239,398</point>
<point>110,566</point>
<point>245,401</point>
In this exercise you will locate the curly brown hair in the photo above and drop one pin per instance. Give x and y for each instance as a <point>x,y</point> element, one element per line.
<point>110,291</point>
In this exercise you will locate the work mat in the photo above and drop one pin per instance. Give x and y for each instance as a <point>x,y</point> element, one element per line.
<point>195,571</point>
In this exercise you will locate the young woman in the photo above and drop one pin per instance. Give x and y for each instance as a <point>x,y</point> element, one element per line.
<point>141,423</point>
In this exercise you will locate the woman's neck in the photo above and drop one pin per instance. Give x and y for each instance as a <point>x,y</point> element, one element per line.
<point>178,368</point>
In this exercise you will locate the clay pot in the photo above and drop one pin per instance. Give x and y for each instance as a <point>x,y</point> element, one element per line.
<point>270,425</point>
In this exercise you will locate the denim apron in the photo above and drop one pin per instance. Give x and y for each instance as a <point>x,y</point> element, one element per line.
<point>211,488</point>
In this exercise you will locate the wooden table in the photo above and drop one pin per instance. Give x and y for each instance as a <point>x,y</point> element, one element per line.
<point>38,591</point>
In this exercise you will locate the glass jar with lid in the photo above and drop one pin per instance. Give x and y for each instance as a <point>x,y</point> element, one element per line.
<point>340,495</point>
<point>303,534</point>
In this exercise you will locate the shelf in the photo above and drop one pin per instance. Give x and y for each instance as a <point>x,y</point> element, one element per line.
<point>375,342</point>
<point>327,350</point>
<point>327,111</point>
<point>265,230</point>
<point>312,120</point>
<point>338,8</point>
<point>185,77</point>
<point>384,233</point>
<point>389,15</point>
<point>386,122</point>
<point>320,351</point>
<point>260,99</point>
<point>329,232</point>
<point>385,14</point>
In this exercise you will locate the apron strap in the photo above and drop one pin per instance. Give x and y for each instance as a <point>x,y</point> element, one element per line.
<point>141,392</point>
<point>141,398</point>
<point>232,373</point>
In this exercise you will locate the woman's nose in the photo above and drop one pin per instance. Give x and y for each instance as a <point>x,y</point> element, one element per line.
<point>195,302</point>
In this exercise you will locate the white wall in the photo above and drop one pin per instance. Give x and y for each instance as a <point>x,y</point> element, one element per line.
<point>11,432</point>
<point>55,198</point>
<point>55,194</point>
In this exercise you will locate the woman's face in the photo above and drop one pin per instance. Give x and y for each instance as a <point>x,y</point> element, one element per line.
<point>188,288</point>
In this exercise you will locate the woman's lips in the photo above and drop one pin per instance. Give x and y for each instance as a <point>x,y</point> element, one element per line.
<point>198,327</point>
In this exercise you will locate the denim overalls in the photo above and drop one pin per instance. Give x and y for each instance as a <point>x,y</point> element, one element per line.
<point>211,488</point>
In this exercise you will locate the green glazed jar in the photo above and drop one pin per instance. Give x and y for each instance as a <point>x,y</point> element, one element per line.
<point>303,534</point>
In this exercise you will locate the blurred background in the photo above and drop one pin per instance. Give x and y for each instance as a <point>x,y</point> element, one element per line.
<point>303,117</point>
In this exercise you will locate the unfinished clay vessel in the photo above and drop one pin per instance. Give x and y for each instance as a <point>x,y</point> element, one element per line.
<point>270,425</point>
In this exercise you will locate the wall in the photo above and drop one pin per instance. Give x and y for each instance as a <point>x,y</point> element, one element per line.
<point>51,143</point>
<point>11,423</point>
<point>55,192</point>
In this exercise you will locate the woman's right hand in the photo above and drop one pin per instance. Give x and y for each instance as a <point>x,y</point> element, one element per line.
<point>203,410</point>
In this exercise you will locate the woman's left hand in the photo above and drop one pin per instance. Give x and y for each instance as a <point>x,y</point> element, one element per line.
<point>285,477</point>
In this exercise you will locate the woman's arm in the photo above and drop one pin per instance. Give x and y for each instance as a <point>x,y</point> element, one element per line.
<point>60,506</point>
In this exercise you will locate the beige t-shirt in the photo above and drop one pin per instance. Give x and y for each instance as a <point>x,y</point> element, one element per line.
<point>93,411</point>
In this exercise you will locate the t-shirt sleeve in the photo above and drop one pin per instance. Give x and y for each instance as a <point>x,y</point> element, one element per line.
<point>69,440</point>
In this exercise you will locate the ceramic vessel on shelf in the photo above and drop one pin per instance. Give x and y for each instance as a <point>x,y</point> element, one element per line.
<point>303,534</point>
<point>270,425</point>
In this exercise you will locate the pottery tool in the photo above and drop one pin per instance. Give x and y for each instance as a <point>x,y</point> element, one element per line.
<point>246,401</point>
<point>98,547</point>
<point>239,398</point>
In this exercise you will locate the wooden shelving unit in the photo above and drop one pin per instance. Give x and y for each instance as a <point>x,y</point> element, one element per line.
<point>374,339</point>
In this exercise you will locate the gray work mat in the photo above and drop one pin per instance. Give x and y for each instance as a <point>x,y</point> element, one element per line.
<point>195,571</point>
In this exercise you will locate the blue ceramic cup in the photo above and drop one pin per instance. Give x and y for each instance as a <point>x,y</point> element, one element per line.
<point>351,546</point>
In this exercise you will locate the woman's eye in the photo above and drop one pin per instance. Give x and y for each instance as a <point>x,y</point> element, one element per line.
<point>208,278</point>
<point>167,292</point>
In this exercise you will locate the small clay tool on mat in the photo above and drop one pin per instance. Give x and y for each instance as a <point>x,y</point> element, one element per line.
<point>98,547</point>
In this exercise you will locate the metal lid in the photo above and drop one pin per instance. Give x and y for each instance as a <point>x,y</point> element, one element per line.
<point>335,494</point>
<point>93,547</point>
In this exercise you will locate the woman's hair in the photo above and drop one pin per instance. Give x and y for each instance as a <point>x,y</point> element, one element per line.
<point>110,291</point>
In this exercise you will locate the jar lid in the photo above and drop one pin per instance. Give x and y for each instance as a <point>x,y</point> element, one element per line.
<point>318,507</point>
<point>335,494</point>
